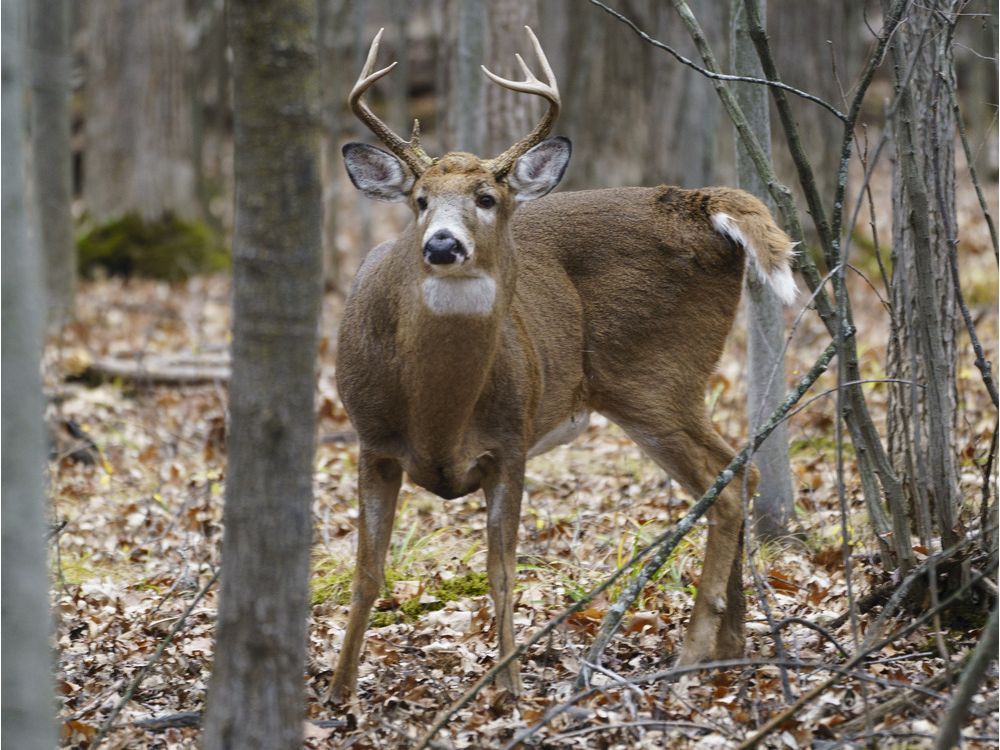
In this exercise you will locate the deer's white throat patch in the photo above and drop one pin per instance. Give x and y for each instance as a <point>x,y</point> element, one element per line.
<point>460,295</point>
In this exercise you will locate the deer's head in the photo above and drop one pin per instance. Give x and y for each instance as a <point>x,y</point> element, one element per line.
<point>461,203</point>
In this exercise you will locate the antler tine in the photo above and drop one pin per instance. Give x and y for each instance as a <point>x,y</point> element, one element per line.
<point>410,152</point>
<point>531,85</point>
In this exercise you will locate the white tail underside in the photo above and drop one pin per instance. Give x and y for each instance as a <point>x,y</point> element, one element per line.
<point>780,279</point>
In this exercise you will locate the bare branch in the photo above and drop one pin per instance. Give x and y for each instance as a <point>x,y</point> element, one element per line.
<point>715,75</point>
<point>662,546</point>
<point>141,674</point>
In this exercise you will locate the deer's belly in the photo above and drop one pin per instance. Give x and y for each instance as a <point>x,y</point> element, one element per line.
<point>565,432</point>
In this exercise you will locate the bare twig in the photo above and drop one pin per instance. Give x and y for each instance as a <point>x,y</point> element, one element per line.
<point>160,370</point>
<point>970,161</point>
<point>819,629</point>
<point>782,716</point>
<point>616,612</point>
<point>141,674</point>
<point>984,366</point>
<point>714,74</point>
<point>662,546</point>
<point>984,653</point>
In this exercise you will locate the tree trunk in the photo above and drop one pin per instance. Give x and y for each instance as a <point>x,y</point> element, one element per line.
<point>686,111</point>
<point>772,507</point>
<point>922,415</point>
<point>509,114</point>
<point>28,700</point>
<point>139,152</point>
<point>331,18</point>
<point>820,47</point>
<point>48,24</point>
<point>466,93</point>
<point>256,693</point>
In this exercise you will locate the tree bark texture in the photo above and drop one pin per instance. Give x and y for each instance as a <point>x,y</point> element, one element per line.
<point>465,105</point>
<point>772,507</point>
<point>139,153</point>
<point>28,699</point>
<point>819,47</point>
<point>509,114</point>
<point>923,348</point>
<point>334,54</point>
<point>49,51</point>
<point>640,118</point>
<point>256,693</point>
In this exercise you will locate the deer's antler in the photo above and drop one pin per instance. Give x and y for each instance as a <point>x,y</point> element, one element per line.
<point>410,152</point>
<point>530,85</point>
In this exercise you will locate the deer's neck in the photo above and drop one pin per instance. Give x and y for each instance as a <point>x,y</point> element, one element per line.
<point>451,338</point>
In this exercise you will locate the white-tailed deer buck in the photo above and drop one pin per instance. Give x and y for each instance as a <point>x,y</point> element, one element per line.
<point>499,319</point>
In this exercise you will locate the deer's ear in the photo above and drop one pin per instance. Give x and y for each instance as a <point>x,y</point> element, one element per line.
<point>540,169</point>
<point>377,173</point>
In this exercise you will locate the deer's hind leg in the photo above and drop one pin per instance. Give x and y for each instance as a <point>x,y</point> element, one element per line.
<point>693,454</point>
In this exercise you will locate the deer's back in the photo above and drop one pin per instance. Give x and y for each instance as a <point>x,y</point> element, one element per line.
<point>659,286</point>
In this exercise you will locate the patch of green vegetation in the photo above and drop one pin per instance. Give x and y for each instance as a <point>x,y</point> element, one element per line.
<point>383,619</point>
<point>77,570</point>
<point>461,587</point>
<point>332,583</point>
<point>824,445</point>
<point>168,248</point>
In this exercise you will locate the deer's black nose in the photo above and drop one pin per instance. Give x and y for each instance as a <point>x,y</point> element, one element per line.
<point>443,248</point>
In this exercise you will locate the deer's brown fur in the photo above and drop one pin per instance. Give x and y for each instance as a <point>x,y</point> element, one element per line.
<point>617,301</point>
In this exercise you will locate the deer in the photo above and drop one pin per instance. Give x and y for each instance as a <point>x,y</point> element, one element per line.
<point>502,317</point>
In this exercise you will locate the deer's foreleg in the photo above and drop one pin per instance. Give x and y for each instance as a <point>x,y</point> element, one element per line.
<point>503,489</point>
<point>378,489</point>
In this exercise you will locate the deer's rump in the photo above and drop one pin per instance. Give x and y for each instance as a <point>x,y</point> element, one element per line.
<point>658,284</point>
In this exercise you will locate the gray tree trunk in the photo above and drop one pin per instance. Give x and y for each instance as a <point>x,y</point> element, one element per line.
<point>772,508</point>
<point>509,114</point>
<point>256,693</point>
<point>685,147</point>
<point>465,104</point>
<point>922,415</point>
<point>139,151</point>
<point>333,59</point>
<point>819,47</point>
<point>640,118</point>
<point>49,49</point>
<point>28,700</point>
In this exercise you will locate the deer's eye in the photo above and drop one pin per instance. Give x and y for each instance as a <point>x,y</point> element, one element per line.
<point>486,201</point>
<point>422,203</point>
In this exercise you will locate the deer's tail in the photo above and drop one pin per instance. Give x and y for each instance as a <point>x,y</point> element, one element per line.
<point>747,222</point>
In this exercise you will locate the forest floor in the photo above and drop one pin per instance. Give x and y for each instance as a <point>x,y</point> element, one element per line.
<point>137,488</point>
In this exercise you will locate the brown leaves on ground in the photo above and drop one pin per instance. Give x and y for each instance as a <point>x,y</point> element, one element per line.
<point>137,532</point>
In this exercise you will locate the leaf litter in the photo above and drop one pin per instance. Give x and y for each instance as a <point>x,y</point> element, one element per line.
<point>136,533</point>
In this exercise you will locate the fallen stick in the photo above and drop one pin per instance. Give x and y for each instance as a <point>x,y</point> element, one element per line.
<point>141,674</point>
<point>161,370</point>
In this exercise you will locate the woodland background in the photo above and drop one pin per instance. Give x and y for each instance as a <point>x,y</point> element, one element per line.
<point>876,581</point>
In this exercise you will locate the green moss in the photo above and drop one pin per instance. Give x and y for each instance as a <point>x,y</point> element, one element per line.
<point>460,587</point>
<point>383,619</point>
<point>77,570</point>
<point>168,248</point>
